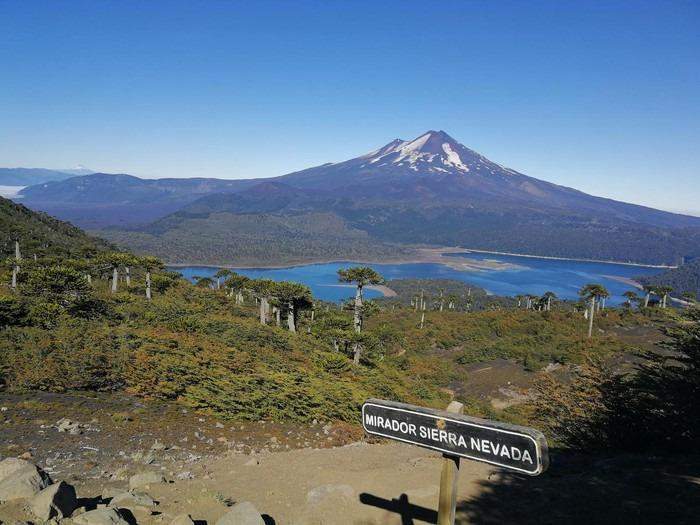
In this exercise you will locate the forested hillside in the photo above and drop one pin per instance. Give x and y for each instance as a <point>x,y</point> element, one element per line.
<point>684,280</point>
<point>41,234</point>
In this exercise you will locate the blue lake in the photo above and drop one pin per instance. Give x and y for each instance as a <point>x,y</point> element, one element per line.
<point>533,276</point>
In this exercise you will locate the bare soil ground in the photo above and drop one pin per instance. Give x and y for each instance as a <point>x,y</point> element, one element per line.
<point>328,475</point>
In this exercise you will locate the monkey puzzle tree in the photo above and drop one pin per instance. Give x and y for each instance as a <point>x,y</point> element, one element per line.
<point>115,261</point>
<point>648,291</point>
<point>361,276</point>
<point>293,297</point>
<point>548,297</point>
<point>236,283</point>
<point>263,289</point>
<point>223,273</point>
<point>150,263</point>
<point>631,297</point>
<point>591,292</point>
<point>664,292</point>
<point>203,282</point>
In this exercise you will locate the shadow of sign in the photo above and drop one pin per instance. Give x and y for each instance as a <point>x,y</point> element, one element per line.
<point>401,506</point>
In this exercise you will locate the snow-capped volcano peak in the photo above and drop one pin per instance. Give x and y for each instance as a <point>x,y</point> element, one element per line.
<point>433,151</point>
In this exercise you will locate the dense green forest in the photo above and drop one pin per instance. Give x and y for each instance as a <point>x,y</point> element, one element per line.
<point>41,234</point>
<point>253,239</point>
<point>684,280</point>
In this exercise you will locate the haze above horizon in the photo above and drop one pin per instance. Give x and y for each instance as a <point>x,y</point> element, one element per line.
<point>602,98</point>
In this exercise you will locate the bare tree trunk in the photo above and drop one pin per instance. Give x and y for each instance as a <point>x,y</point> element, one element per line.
<point>148,285</point>
<point>590,318</point>
<point>263,310</point>
<point>291,321</point>
<point>115,278</point>
<point>646,300</point>
<point>89,278</point>
<point>18,254</point>
<point>663,305</point>
<point>278,315</point>
<point>15,271</point>
<point>218,283</point>
<point>335,345</point>
<point>357,350</point>
<point>128,276</point>
<point>604,298</point>
<point>357,316</point>
<point>422,320</point>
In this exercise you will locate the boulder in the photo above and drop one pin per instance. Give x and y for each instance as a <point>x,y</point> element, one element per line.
<point>55,501</point>
<point>21,479</point>
<point>10,466</point>
<point>106,516</point>
<point>145,478</point>
<point>182,519</point>
<point>130,500</point>
<point>243,513</point>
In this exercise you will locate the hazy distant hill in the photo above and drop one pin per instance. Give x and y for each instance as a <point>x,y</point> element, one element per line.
<point>430,190</point>
<point>30,176</point>
<point>40,234</point>
<point>103,199</point>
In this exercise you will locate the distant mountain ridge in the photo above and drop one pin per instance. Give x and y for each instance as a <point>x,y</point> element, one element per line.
<point>113,199</point>
<point>30,176</point>
<point>429,190</point>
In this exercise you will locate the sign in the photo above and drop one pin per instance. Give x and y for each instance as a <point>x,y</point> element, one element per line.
<point>509,446</point>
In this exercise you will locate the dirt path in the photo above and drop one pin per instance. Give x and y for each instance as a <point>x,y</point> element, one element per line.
<point>358,483</point>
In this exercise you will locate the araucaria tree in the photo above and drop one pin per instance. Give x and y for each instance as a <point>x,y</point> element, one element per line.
<point>293,297</point>
<point>236,283</point>
<point>361,276</point>
<point>149,264</point>
<point>592,293</point>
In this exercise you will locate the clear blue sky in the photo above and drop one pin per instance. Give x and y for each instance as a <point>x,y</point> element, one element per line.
<point>602,96</point>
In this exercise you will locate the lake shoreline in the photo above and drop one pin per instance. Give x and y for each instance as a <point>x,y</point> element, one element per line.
<point>422,256</point>
<point>426,255</point>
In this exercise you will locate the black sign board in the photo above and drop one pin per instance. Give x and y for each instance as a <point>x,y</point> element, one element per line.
<point>509,446</point>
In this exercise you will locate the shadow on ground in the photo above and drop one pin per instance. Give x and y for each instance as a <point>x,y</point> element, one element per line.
<point>583,489</point>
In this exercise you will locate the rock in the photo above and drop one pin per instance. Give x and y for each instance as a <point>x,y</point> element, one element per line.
<point>120,474</point>
<point>145,478</point>
<point>252,462</point>
<point>21,479</point>
<point>107,516</point>
<point>243,513</point>
<point>182,519</point>
<point>130,500</point>
<point>219,425</point>
<point>318,494</point>
<point>55,501</point>
<point>26,455</point>
<point>66,425</point>
<point>11,465</point>
<point>185,475</point>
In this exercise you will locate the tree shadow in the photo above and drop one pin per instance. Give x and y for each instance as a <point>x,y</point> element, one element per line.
<point>578,489</point>
<point>401,506</point>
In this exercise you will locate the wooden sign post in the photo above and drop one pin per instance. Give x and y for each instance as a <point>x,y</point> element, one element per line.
<point>512,447</point>
<point>447,503</point>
